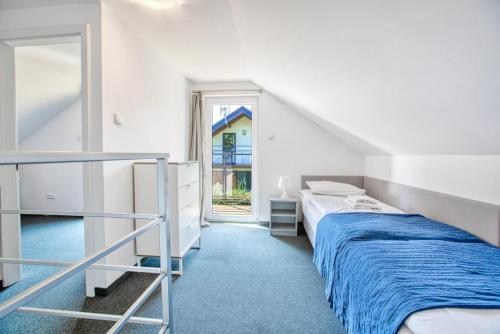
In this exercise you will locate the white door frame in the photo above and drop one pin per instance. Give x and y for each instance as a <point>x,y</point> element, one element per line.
<point>89,135</point>
<point>10,225</point>
<point>208,101</point>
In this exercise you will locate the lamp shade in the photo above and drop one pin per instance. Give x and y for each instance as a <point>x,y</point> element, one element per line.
<point>283,182</point>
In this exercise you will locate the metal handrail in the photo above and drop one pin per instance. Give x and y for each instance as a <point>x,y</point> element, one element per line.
<point>79,214</point>
<point>97,266</point>
<point>40,288</point>
<point>54,157</point>
<point>136,305</point>
<point>161,219</point>
<point>89,315</point>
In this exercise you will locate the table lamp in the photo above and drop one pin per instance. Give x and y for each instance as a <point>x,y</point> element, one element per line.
<point>283,184</point>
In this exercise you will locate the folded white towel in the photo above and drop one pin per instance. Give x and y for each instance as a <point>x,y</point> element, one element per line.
<point>368,206</point>
<point>359,199</point>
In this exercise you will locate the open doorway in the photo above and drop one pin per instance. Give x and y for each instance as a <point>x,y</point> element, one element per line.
<point>49,118</point>
<point>47,93</point>
<point>232,163</point>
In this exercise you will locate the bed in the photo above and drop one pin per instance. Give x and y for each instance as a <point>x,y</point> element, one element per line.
<point>434,320</point>
<point>315,207</point>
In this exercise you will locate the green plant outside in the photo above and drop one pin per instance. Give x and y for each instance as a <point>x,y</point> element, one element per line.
<point>239,196</point>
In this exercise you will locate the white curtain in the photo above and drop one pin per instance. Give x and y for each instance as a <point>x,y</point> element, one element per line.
<point>196,135</point>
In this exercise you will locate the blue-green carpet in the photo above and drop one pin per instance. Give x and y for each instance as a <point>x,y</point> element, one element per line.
<point>241,281</point>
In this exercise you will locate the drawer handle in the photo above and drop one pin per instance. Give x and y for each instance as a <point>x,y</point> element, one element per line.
<point>189,185</point>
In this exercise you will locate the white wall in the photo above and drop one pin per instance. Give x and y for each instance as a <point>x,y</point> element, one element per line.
<point>152,98</point>
<point>300,147</point>
<point>61,133</point>
<point>475,177</point>
<point>48,110</point>
<point>48,79</point>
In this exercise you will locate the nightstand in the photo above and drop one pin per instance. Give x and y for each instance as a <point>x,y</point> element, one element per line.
<point>284,216</point>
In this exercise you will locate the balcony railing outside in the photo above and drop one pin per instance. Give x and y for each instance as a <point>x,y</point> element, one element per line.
<point>241,155</point>
<point>233,198</point>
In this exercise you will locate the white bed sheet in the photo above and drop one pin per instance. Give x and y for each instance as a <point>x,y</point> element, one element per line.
<point>336,204</point>
<point>442,320</point>
<point>311,217</point>
<point>315,207</point>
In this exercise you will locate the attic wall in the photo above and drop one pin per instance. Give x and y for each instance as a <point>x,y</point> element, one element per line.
<point>409,77</point>
<point>151,97</point>
<point>61,133</point>
<point>48,80</point>
<point>299,147</point>
<point>474,177</point>
<point>290,144</point>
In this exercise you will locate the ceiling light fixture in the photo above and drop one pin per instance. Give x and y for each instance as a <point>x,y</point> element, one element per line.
<point>159,4</point>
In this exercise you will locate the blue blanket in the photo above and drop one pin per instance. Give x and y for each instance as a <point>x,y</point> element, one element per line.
<point>380,268</point>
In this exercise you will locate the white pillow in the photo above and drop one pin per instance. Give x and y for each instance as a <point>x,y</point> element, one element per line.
<point>334,188</point>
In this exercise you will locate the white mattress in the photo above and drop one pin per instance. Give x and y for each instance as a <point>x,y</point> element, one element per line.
<point>316,207</point>
<point>443,320</point>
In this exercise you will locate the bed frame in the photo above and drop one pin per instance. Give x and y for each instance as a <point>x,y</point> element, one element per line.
<point>479,218</point>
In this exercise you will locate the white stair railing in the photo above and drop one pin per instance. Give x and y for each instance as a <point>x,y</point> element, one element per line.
<point>164,279</point>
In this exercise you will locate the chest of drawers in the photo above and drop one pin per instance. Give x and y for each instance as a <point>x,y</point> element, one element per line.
<point>184,206</point>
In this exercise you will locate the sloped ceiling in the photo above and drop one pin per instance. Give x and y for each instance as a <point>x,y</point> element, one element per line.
<point>395,76</point>
<point>412,77</point>
<point>198,38</point>
<point>48,79</point>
